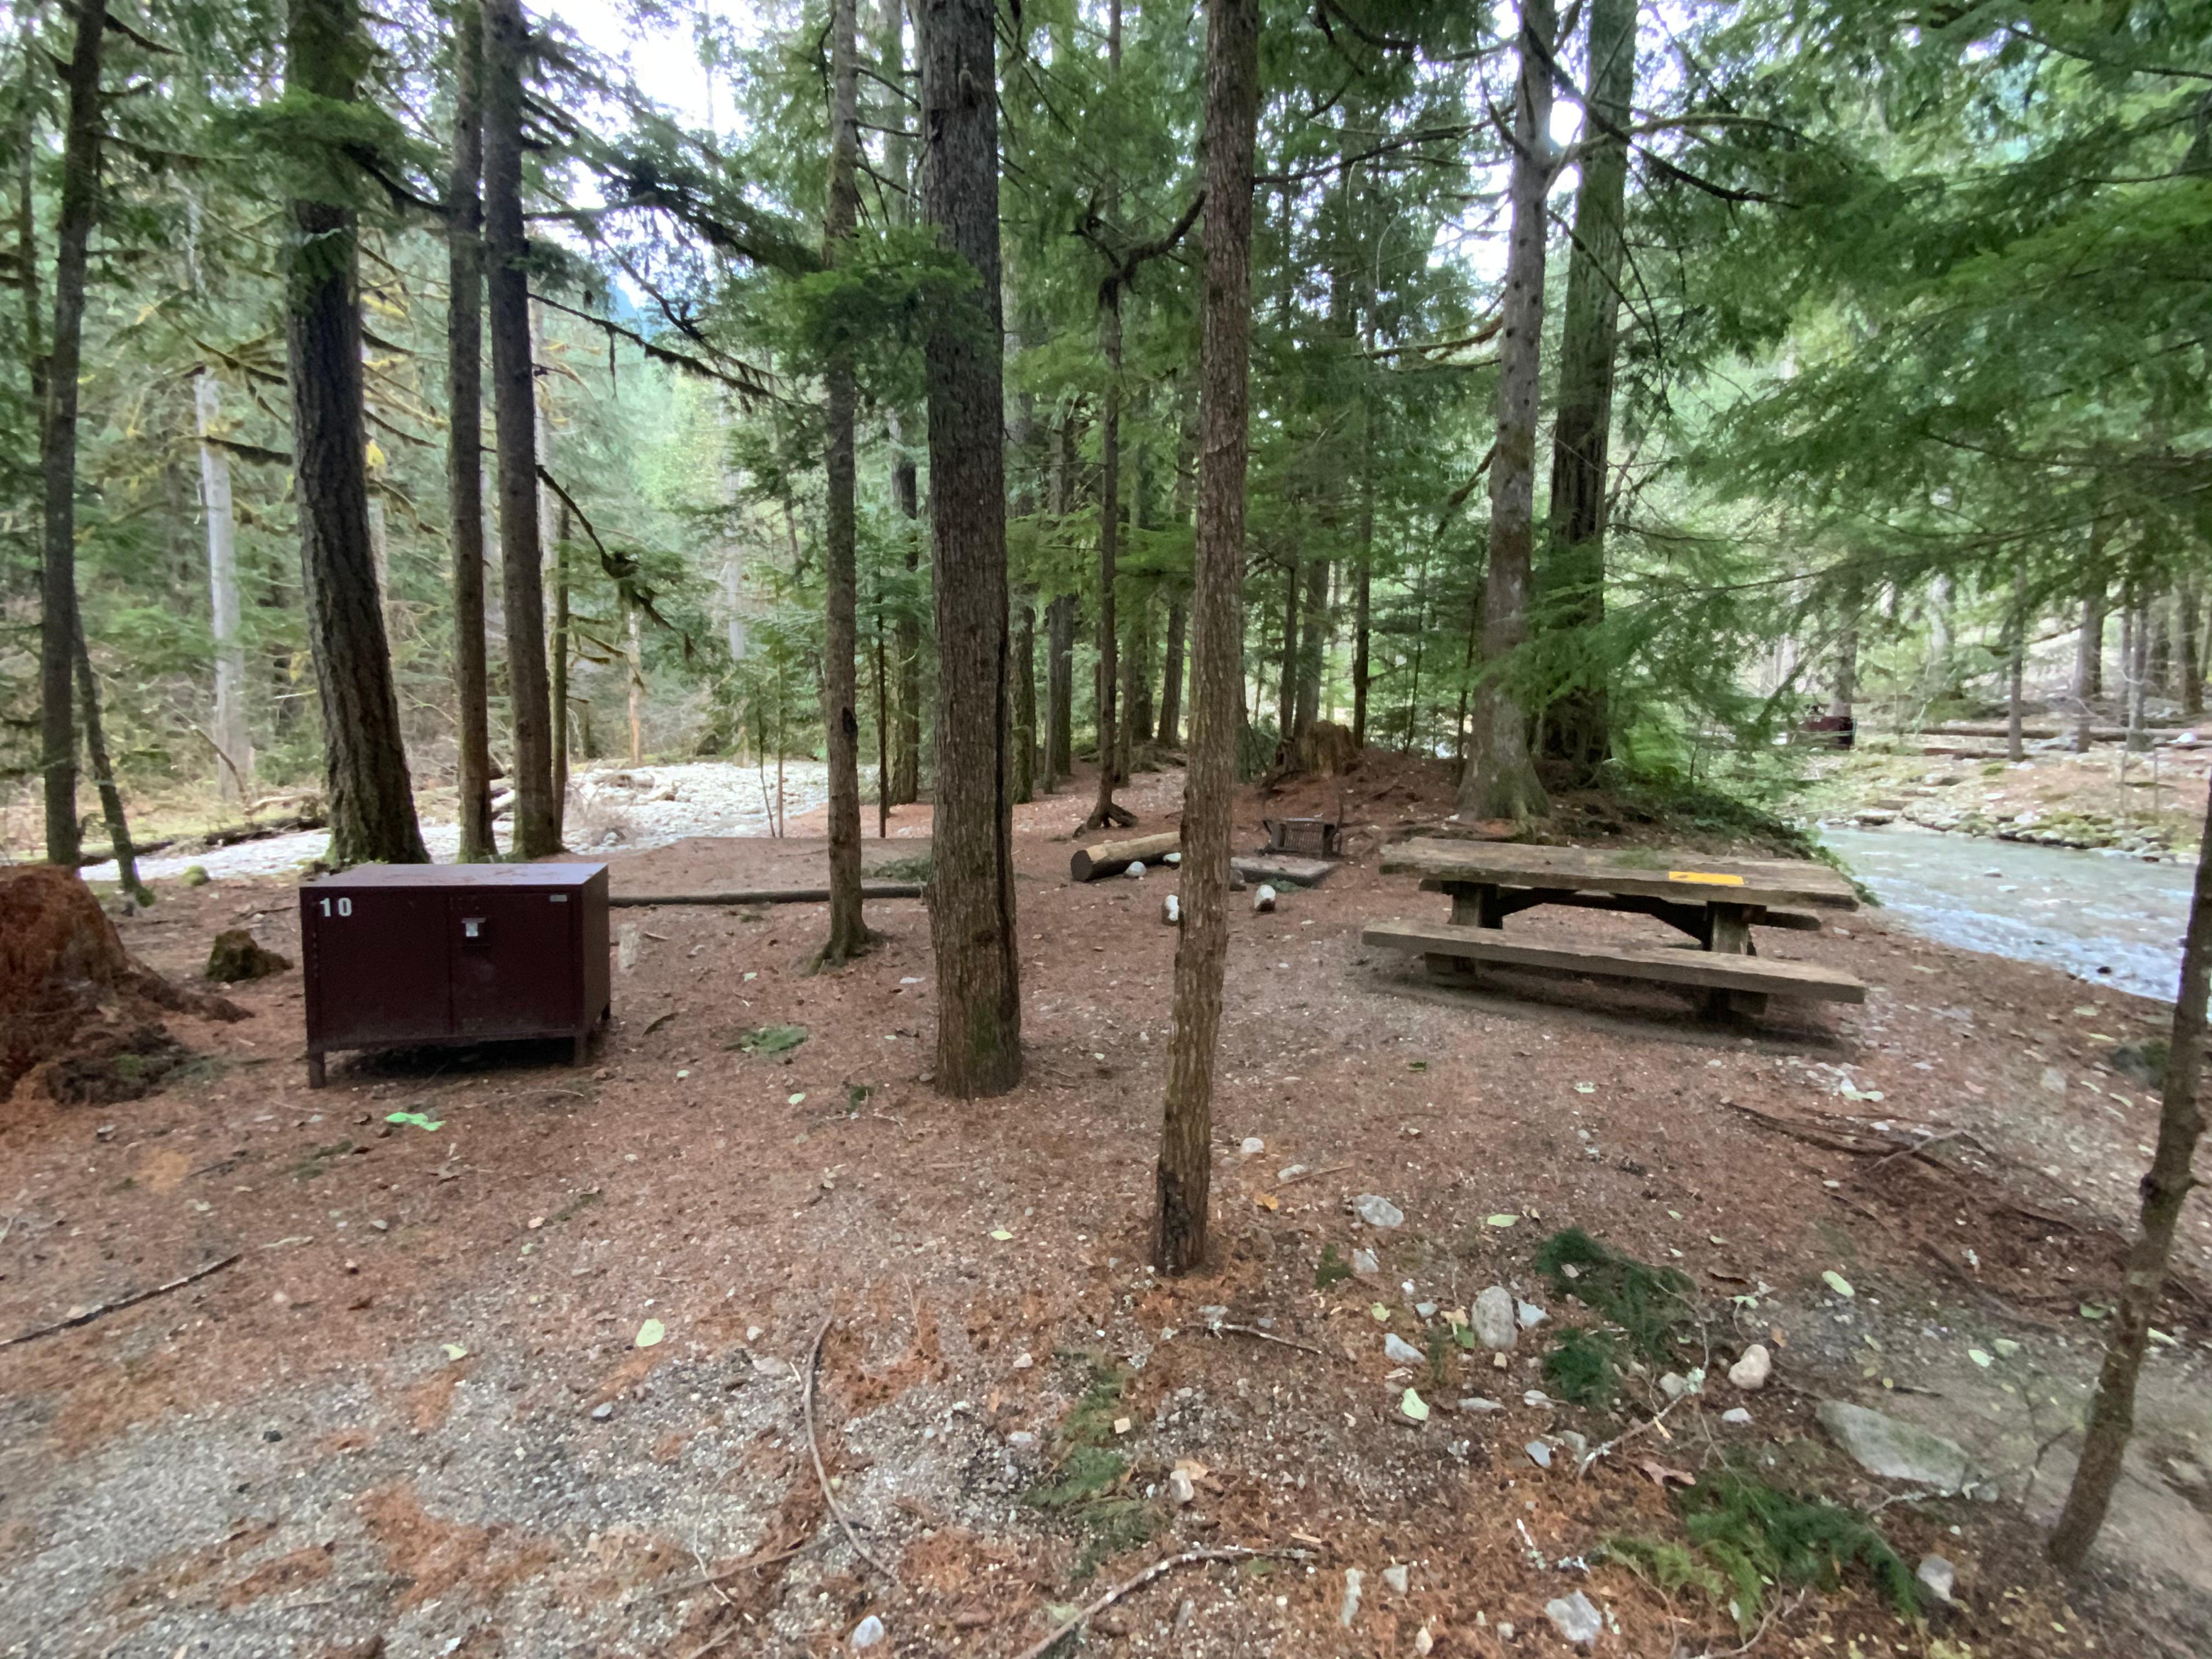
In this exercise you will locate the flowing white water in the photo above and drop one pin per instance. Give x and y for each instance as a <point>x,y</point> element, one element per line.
<point>639,806</point>
<point>2111,919</point>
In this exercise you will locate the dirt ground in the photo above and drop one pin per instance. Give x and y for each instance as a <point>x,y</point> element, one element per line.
<point>416,1417</point>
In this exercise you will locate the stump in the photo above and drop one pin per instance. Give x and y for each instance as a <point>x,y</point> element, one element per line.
<point>73,992</point>
<point>237,955</point>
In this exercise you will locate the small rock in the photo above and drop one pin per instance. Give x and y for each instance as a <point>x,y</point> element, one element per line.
<point>1737,1417</point>
<point>1495,1321</point>
<point>1475,1403</point>
<point>1353,1579</point>
<point>1181,1491</point>
<point>1423,1642</point>
<point>1022,1439</point>
<point>1252,1147</point>
<point>1750,1373</point>
<point>1575,1618</point>
<point>602,1412</point>
<point>1673,1385</point>
<point>1171,911</point>
<point>1263,899</point>
<point>1936,1577</point>
<point>1396,1347</point>
<point>1535,1397</point>
<point>1505,1630</point>
<point>1186,1611</point>
<point>1895,1452</point>
<point>2054,1079</point>
<point>1398,1578</point>
<point>1530,1315</point>
<point>867,1633</point>
<point>1135,872</point>
<point>1024,1361</point>
<point>1376,1211</point>
<point>1426,1309</point>
<point>1366,1263</point>
<point>1539,1454</point>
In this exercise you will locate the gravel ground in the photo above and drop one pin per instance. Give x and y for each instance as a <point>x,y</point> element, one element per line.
<point>636,807</point>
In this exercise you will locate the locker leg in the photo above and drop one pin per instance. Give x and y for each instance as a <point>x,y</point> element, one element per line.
<point>581,1043</point>
<point>314,1071</point>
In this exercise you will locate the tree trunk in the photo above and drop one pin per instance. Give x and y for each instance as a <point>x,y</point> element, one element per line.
<point>906,744</point>
<point>1060,690</point>
<point>1184,1175</point>
<point>2093,609</point>
<point>635,675</point>
<point>841,721</point>
<point>1844,688</point>
<point>1170,724</point>
<point>371,803</point>
<point>2189,605</point>
<point>1137,710</point>
<point>2089,654</point>
<point>971,912</point>
<point>2015,666</point>
<point>1286,693</point>
<point>103,774</point>
<point>1313,651</point>
<point>1103,812</point>
<point>233,747</point>
<point>2138,673</point>
<point>1501,777</point>
<point>1576,726</point>
<point>1363,603</point>
<point>465,440</point>
<point>536,810</point>
<point>58,618</point>
<point>2165,1188</point>
<point>558,653</point>
<point>1025,708</point>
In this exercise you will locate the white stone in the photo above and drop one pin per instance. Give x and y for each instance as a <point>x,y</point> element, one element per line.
<point>1750,1372</point>
<point>1539,1454</point>
<point>1938,1576</point>
<point>1353,1579</point>
<point>1398,1578</point>
<point>1366,1263</point>
<point>1181,1490</point>
<point>1171,911</point>
<point>1575,1619</point>
<point>1530,1315</point>
<point>1378,1211</point>
<point>1495,1323</point>
<point>1402,1351</point>
<point>1737,1417</point>
<point>1263,901</point>
<point>1253,1146</point>
<point>868,1633</point>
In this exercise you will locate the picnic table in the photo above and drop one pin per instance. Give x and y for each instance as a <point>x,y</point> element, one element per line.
<point>1715,901</point>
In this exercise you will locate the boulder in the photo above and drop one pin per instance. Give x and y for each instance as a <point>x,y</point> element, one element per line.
<point>1884,1446</point>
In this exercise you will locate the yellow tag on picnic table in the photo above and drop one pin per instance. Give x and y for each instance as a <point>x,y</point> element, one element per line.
<point>1709,878</point>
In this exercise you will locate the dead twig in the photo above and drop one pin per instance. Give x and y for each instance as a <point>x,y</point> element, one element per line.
<point>121,1303</point>
<point>1658,1422</point>
<point>1167,1563</point>
<point>1759,1635</point>
<point>1918,1148</point>
<point>1269,1336</point>
<point>1308,1175</point>
<point>814,1446</point>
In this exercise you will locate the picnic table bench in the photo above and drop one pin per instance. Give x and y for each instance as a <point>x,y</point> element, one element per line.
<point>1717,901</point>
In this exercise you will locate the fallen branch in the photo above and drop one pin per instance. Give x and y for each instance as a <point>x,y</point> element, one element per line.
<point>1582,1473</point>
<point>872,889</point>
<point>107,1308</point>
<point>1308,1175</point>
<point>814,1446</point>
<point>1188,1558</point>
<point>1269,1336</point>
<point>1918,1148</point>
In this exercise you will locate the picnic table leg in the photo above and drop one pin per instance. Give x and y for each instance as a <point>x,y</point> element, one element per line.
<point>1473,905</point>
<point>1727,931</point>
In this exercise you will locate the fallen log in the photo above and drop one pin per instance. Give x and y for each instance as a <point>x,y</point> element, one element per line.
<point>1111,858</point>
<point>872,889</point>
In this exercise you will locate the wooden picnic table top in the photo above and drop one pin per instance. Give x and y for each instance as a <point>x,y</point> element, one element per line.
<point>1681,878</point>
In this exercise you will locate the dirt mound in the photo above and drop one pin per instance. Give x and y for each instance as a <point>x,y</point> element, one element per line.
<point>75,995</point>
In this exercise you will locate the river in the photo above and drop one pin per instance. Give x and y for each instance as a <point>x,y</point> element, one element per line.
<point>2114,920</point>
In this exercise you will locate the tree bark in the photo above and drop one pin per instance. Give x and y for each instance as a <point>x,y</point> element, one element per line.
<point>1184,1175</point>
<point>233,746</point>
<point>2016,666</point>
<point>1363,602</point>
<point>522,592</point>
<point>103,773</point>
<point>1060,690</point>
<point>371,801</point>
<point>1025,708</point>
<point>58,617</point>
<point>1286,693</point>
<point>972,883</point>
<point>2094,607</point>
<point>906,638</point>
<point>559,652</point>
<point>2165,1188</point>
<point>841,721</point>
<point>1501,775</point>
<point>2190,642</point>
<point>1313,651</point>
<point>1169,732</point>
<point>1576,726</point>
<point>1103,812</point>
<point>465,440</point>
<point>1843,687</point>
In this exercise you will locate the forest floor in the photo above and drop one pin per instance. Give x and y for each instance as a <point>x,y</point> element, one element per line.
<point>421,1415</point>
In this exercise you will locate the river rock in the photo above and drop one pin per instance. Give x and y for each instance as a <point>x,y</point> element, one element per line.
<point>1895,1452</point>
<point>1750,1373</point>
<point>1575,1619</point>
<point>1938,1576</point>
<point>1377,1210</point>
<point>1495,1321</point>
